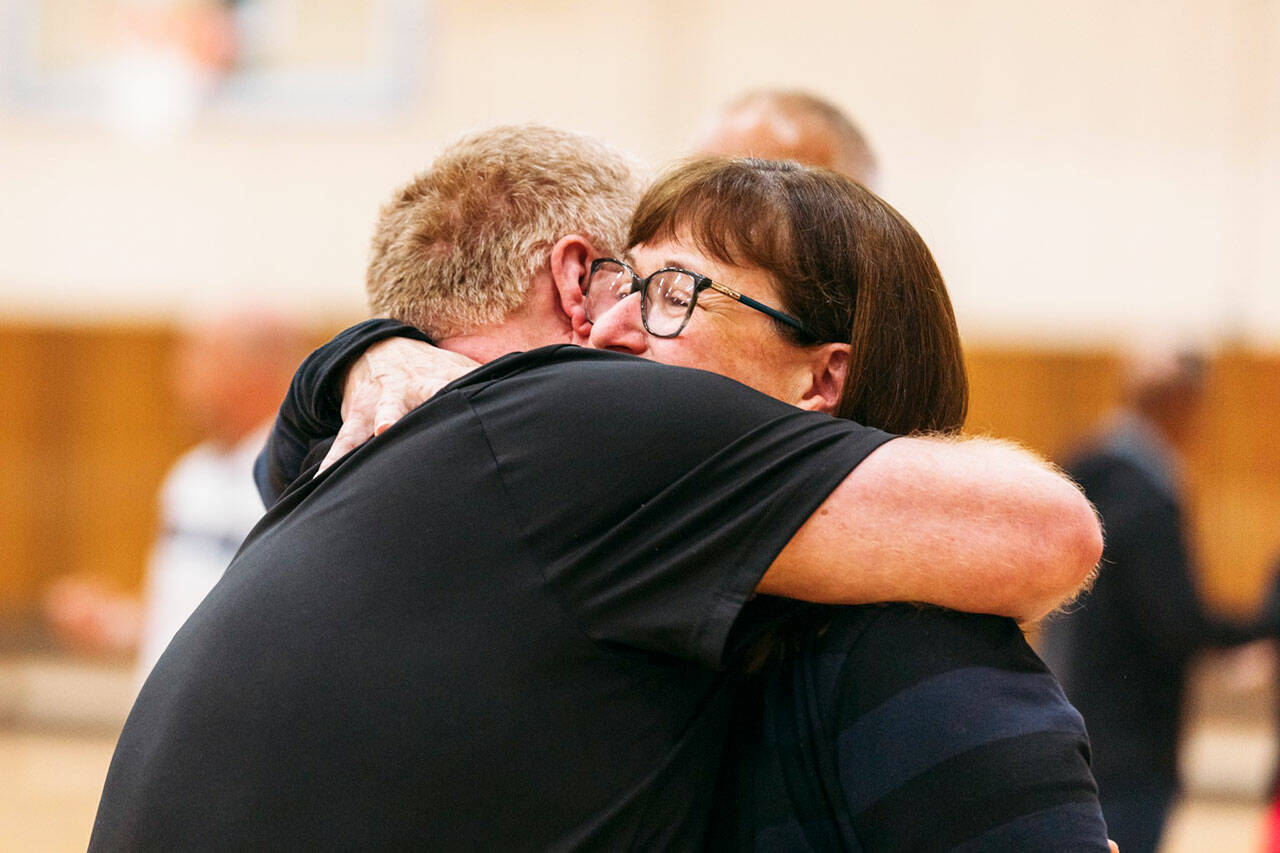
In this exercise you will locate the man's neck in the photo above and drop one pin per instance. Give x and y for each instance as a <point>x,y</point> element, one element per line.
<point>482,348</point>
<point>494,342</point>
<point>539,322</point>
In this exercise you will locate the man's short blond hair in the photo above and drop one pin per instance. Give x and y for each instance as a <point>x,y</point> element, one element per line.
<point>457,248</point>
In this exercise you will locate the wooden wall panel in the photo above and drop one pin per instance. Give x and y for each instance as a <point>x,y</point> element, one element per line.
<point>20,493</point>
<point>122,431</point>
<point>1049,401</point>
<point>1045,400</point>
<point>89,428</point>
<point>1236,478</point>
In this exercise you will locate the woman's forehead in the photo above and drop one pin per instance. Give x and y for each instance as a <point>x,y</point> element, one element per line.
<point>646,258</point>
<point>673,252</point>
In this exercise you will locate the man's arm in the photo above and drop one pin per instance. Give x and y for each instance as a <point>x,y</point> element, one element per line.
<point>971,524</point>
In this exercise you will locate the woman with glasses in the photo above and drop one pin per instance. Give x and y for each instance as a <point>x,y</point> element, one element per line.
<point>770,273</point>
<point>879,727</point>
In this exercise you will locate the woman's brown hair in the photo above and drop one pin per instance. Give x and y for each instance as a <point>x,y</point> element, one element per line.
<point>845,263</point>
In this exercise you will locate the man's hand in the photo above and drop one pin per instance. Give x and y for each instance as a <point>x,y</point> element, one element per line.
<point>392,378</point>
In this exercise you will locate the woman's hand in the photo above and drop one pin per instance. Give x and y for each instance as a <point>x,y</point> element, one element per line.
<point>392,378</point>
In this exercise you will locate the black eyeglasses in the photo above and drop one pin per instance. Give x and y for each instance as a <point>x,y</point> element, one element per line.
<point>666,298</point>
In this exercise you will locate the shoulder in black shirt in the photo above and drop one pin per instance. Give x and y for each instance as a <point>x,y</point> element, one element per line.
<point>495,626</point>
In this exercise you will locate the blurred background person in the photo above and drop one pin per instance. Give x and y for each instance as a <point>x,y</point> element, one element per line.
<point>1123,650</point>
<point>230,373</point>
<point>781,124</point>
<point>169,58</point>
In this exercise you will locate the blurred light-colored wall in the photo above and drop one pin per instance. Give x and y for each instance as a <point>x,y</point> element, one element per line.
<point>1082,170</point>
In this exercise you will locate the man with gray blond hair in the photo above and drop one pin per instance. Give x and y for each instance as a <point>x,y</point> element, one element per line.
<point>499,624</point>
<point>456,249</point>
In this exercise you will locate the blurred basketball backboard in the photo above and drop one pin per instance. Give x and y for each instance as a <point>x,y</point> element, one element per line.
<point>150,64</point>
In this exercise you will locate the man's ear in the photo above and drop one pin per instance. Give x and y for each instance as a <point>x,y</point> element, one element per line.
<point>828,367</point>
<point>571,259</point>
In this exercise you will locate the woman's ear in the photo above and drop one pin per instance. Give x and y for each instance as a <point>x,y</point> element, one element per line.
<point>571,258</point>
<point>828,367</point>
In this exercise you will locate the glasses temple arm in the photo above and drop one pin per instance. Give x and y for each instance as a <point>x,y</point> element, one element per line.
<point>759,306</point>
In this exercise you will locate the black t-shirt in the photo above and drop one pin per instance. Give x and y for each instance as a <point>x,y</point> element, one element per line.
<point>496,626</point>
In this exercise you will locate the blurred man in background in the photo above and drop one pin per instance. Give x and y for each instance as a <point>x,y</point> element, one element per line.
<point>776,124</point>
<point>1122,653</point>
<point>231,371</point>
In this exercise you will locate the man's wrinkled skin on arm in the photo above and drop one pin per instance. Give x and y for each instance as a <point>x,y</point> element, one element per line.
<point>973,524</point>
<point>386,383</point>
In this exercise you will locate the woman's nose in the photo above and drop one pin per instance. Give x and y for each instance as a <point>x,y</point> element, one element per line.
<point>620,328</point>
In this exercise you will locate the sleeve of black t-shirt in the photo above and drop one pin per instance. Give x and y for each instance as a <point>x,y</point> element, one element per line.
<point>311,411</point>
<point>956,710</point>
<point>669,492</point>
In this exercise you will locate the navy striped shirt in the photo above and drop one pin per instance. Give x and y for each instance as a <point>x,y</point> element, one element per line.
<point>895,727</point>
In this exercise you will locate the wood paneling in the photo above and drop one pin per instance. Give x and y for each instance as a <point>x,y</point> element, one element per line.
<point>1045,400</point>
<point>1050,400</point>
<point>89,428</point>
<point>1236,478</point>
<point>22,491</point>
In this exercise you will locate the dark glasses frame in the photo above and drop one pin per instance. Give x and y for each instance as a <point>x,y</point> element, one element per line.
<point>700,283</point>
